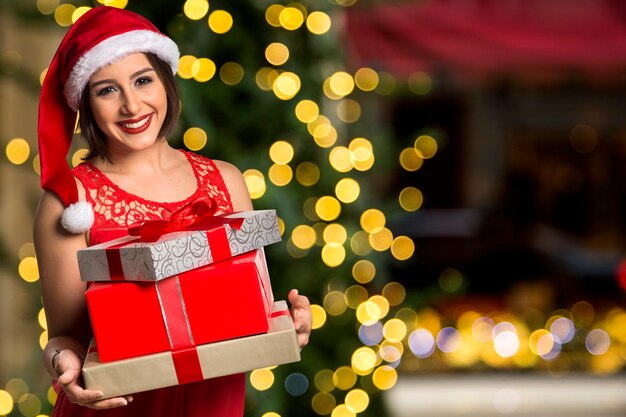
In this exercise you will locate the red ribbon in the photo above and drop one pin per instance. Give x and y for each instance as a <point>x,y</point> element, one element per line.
<point>199,215</point>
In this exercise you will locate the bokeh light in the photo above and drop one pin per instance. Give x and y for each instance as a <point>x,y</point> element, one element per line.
<point>323,403</point>
<point>366,79</point>
<point>422,343</point>
<point>318,23</point>
<point>410,198</point>
<point>220,21</point>
<point>195,9</point>
<point>195,138</point>
<point>276,53</point>
<point>319,316</point>
<point>18,151</point>
<point>291,18</point>
<point>344,378</point>
<point>357,400</point>
<point>296,384</point>
<point>262,379</point>
<point>231,73</point>
<point>307,174</point>
<point>255,182</point>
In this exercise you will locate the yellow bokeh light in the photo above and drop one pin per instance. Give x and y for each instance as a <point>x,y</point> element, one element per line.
<point>410,159</point>
<point>329,92</point>
<point>18,151</point>
<point>335,233</point>
<point>231,73</point>
<point>120,4</point>
<point>411,199</point>
<point>347,190</point>
<point>355,295</point>
<point>340,159</point>
<point>323,403</point>
<point>394,330</point>
<point>364,165</point>
<point>291,18</point>
<point>363,271</point>
<point>196,9</point>
<point>280,175</point>
<point>272,14</point>
<point>308,208</point>
<point>324,380</point>
<point>382,303</point>
<point>270,414</point>
<point>346,3</point>
<point>425,146</point>
<point>41,319</point>
<point>327,139</point>
<point>372,220</point>
<point>320,126</point>
<point>368,313</point>
<point>385,377</point>
<point>195,138</point>
<point>303,236</point>
<point>360,149</point>
<point>286,85</point>
<point>333,254</point>
<point>341,83</point>
<point>79,156</point>
<point>255,181</point>
<point>360,243</point>
<point>366,79</point>
<point>262,379</point>
<point>348,111</point>
<point>265,77</point>
<point>42,76</point>
<point>335,303</point>
<point>29,405</point>
<point>206,70</point>
<point>27,249</point>
<point>342,410</point>
<point>43,339</point>
<point>307,174</point>
<point>328,208</point>
<point>281,152</point>
<point>319,316</point>
<point>277,53</point>
<point>37,164</point>
<point>357,400</point>
<point>381,239</point>
<point>363,360</point>
<point>318,23</point>
<point>51,395</point>
<point>28,269</point>
<point>420,83</point>
<point>63,14</point>
<point>188,66</point>
<point>402,248</point>
<point>394,292</point>
<point>307,111</point>
<point>534,341</point>
<point>220,21</point>
<point>79,12</point>
<point>47,6</point>
<point>6,403</point>
<point>344,378</point>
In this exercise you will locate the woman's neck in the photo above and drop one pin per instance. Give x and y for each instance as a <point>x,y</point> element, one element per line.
<point>149,161</point>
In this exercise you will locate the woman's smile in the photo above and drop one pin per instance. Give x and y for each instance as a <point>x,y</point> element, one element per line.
<point>137,125</point>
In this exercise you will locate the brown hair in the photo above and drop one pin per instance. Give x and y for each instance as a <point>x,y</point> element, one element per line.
<point>96,141</point>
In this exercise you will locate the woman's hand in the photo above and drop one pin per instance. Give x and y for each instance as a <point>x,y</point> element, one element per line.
<point>68,365</point>
<point>301,315</point>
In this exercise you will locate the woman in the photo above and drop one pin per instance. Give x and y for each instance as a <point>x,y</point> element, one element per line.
<point>118,70</point>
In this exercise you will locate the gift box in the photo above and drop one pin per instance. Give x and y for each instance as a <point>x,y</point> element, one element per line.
<point>138,258</point>
<point>224,300</point>
<point>129,376</point>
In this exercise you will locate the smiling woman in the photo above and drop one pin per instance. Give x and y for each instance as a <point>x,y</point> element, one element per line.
<point>118,69</point>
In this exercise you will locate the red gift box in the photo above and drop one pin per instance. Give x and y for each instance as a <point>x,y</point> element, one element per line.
<point>224,300</point>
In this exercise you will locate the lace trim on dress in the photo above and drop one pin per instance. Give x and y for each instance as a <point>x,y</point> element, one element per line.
<point>115,208</point>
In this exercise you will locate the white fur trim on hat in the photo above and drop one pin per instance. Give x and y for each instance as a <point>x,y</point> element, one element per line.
<point>115,48</point>
<point>77,217</point>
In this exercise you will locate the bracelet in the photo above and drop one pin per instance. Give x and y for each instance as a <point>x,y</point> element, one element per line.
<point>54,368</point>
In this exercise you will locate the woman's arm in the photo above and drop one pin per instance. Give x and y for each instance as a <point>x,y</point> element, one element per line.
<point>63,295</point>
<point>301,313</point>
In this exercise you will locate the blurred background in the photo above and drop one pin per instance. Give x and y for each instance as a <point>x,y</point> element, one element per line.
<point>450,177</point>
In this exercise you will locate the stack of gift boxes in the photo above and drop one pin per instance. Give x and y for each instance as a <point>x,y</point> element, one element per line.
<point>189,306</point>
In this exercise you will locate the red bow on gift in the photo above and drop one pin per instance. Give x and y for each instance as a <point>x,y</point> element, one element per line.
<point>199,215</point>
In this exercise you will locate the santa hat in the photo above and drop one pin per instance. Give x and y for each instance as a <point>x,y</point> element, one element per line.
<point>99,37</point>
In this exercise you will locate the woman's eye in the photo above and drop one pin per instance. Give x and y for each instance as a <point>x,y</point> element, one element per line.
<point>104,91</point>
<point>144,80</point>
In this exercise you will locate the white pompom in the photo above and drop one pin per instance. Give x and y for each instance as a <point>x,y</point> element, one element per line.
<point>77,217</point>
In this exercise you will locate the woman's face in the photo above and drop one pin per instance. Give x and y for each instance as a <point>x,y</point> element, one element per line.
<point>128,102</point>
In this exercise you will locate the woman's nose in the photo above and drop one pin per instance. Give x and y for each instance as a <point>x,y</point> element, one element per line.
<point>130,103</point>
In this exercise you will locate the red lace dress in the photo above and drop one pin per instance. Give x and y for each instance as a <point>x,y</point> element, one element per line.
<point>114,210</point>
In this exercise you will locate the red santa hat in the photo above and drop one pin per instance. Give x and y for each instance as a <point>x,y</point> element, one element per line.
<point>99,37</point>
